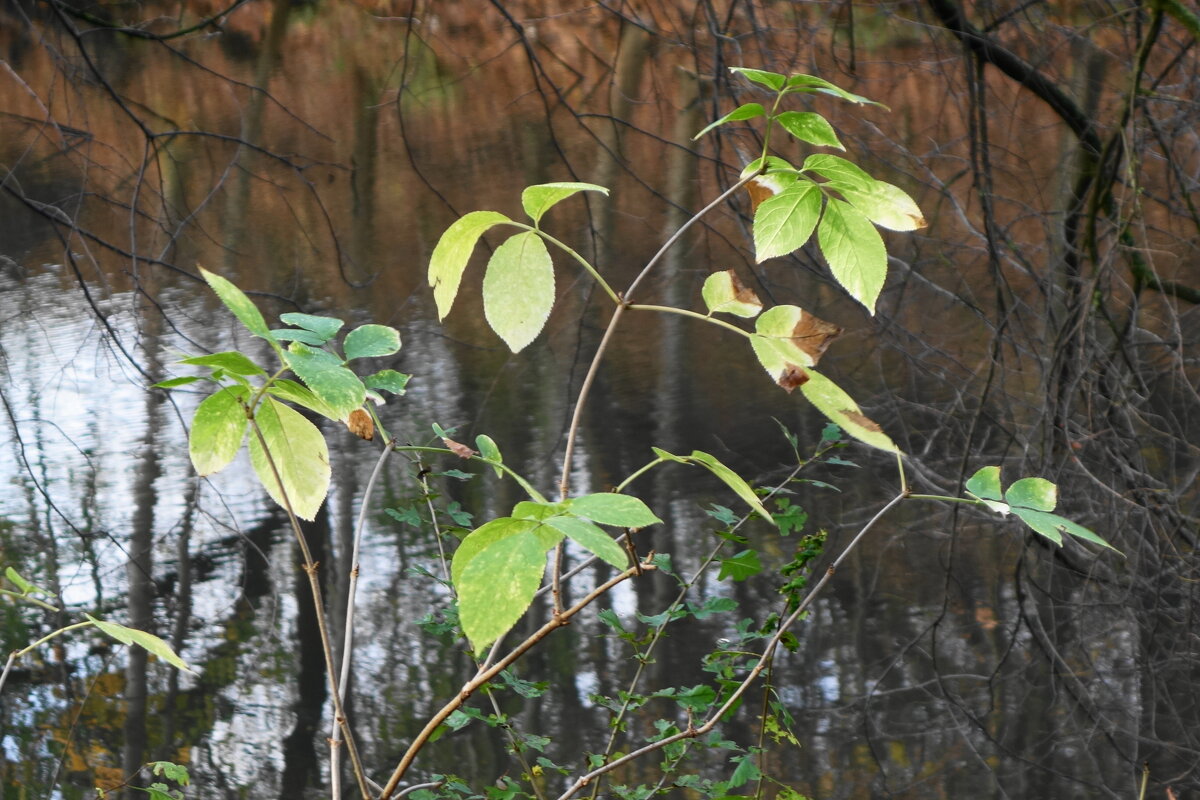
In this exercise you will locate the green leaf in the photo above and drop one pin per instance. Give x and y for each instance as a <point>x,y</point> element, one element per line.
<point>171,383</point>
<point>886,205</point>
<point>537,200</point>
<point>486,535</point>
<point>840,408</point>
<point>1036,493</point>
<point>741,566</point>
<point>747,770</point>
<point>518,289</point>
<point>810,127</point>
<point>787,337</point>
<point>985,484</point>
<point>387,379</point>
<point>728,476</point>
<point>237,302</point>
<point>1043,523</point>
<point>697,698</point>
<point>772,80</point>
<point>747,111</point>
<point>785,221</point>
<point>324,327</point>
<point>811,83</point>
<point>218,428</point>
<point>854,250</point>
<point>608,508</point>
<point>488,449</point>
<point>147,641</point>
<point>497,585</point>
<point>302,396</point>
<point>231,361</point>
<point>300,454</point>
<point>26,587</point>
<point>298,335</point>
<point>452,253</point>
<point>528,509</point>
<point>724,293</point>
<point>324,374</point>
<point>841,173</point>
<point>371,341</point>
<point>591,538</point>
<point>171,771</point>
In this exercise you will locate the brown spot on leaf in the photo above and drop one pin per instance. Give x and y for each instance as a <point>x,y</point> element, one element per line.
<point>759,190</point>
<point>861,421</point>
<point>792,377</point>
<point>360,424</point>
<point>741,292</point>
<point>812,335</point>
<point>458,448</point>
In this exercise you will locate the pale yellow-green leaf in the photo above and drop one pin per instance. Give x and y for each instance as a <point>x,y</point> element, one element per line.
<point>840,408</point>
<point>724,292</point>
<point>299,453</point>
<point>518,289</point>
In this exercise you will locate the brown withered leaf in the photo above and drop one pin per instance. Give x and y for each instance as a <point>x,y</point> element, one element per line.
<point>759,190</point>
<point>812,335</point>
<point>741,292</point>
<point>792,376</point>
<point>458,448</point>
<point>862,421</point>
<point>360,424</point>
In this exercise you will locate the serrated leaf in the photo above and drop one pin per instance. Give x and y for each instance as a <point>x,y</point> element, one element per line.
<point>1036,493</point>
<point>237,302</point>
<point>839,407</point>
<point>854,251</point>
<point>740,566</point>
<point>537,200</point>
<point>489,450</point>
<point>787,337</point>
<point>746,111</point>
<point>590,538</point>
<point>728,476</point>
<point>371,341</point>
<point>324,327</point>
<point>747,770</point>
<point>231,361</point>
<point>785,221</point>
<point>300,455</point>
<point>171,383</point>
<point>484,536</point>
<point>387,379</point>
<point>497,585</point>
<point>218,427</point>
<point>518,289</point>
<point>452,253</point>
<point>608,508</point>
<point>323,373</point>
<point>147,641</point>
<point>811,83</point>
<point>302,396</point>
<point>724,293</point>
<point>772,80</point>
<point>810,127</point>
<point>886,205</point>
<point>840,172</point>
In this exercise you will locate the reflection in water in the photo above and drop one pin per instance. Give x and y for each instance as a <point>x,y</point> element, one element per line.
<point>315,152</point>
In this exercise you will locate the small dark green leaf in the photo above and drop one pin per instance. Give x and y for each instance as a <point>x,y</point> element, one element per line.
<point>371,341</point>
<point>741,566</point>
<point>389,380</point>
<point>324,327</point>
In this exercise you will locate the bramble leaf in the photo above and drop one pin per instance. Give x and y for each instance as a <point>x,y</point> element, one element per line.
<point>537,200</point>
<point>452,253</point>
<point>218,427</point>
<point>518,289</point>
<point>299,453</point>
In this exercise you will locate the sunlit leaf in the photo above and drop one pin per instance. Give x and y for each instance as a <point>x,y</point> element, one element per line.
<point>839,171</point>
<point>810,127</point>
<point>886,205</point>
<point>811,83</point>
<point>452,253</point>
<point>218,427</point>
<point>237,302</point>
<point>147,641</point>
<point>839,407</point>
<point>518,289</point>
<point>854,251</point>
<point>497,585</point>
<point>591,538</point>
<point>171,383</point>
<point>489,450</point>
<point>323,372</point>
<point>1036,493</point>
<point>537,200</point>
<point>528,509</point>
<point>772,80</point>
<point>784,222</point>
<point>302,396</point>
<point>779,175</point>
<point>747,111</point>
<point>728,476</point>
<point>608,508</point>
<point>370,341</point>
<point>724,293</point>
<point>387,379</point>
<point>788,336</point>
<point>324,327</point>
<point>232,361</point>
<point>299,453</point>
